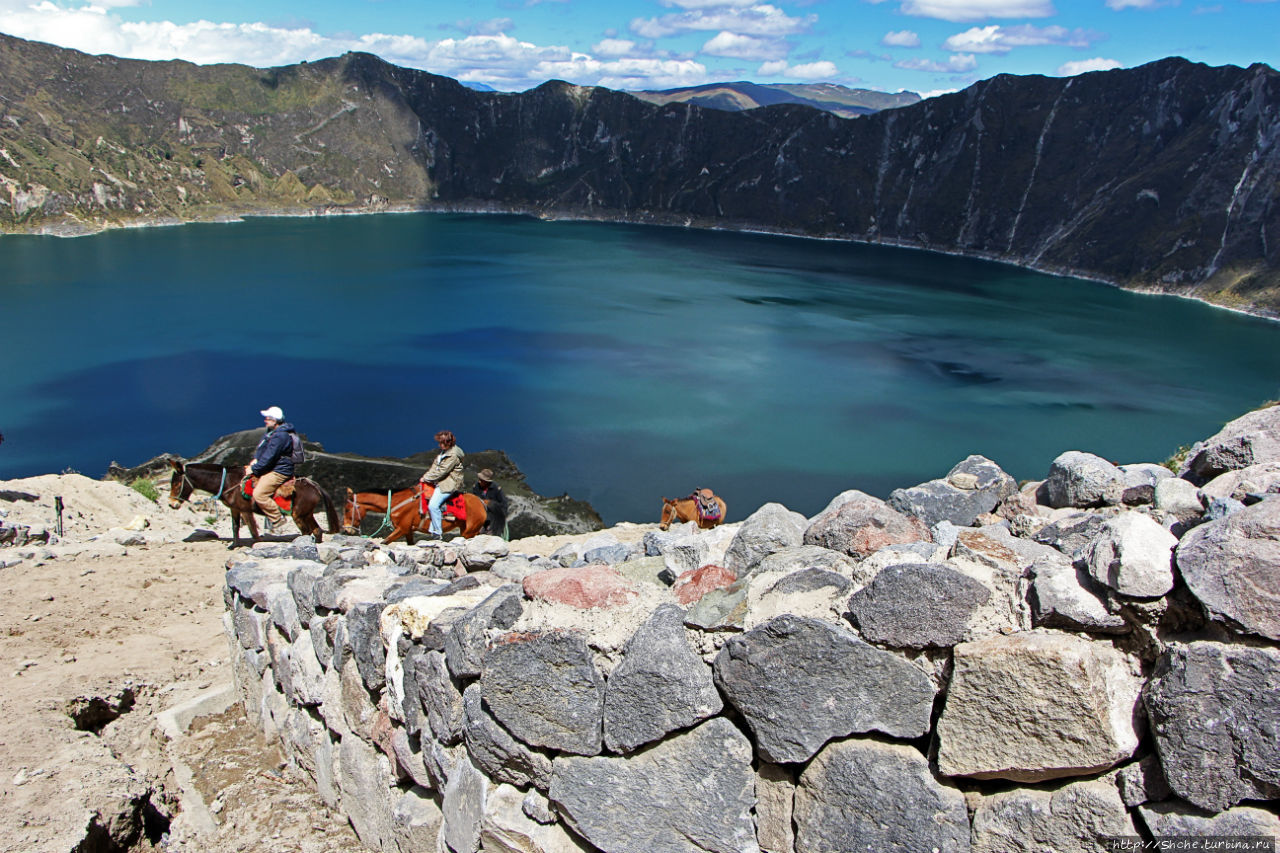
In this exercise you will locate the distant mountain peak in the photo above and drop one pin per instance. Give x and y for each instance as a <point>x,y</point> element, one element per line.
<point>745,95</point>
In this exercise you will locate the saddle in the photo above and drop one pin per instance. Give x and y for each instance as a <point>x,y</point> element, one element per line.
<point>283,496</point>
<point>708,506</point>
<point>454,509</point>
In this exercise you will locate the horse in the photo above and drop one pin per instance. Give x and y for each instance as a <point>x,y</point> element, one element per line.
<point>406,514</point>
<point>224,484</point>
<point>686,509</point>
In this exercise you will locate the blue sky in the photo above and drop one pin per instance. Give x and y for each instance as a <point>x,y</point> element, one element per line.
<point>925,46</point>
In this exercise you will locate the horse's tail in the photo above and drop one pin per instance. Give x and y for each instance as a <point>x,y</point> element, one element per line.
<point>330,511</point>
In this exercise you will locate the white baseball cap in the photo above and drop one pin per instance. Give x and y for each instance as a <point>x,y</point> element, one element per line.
<point>274,413</point>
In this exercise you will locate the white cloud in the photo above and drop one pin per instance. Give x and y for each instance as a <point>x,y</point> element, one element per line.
<point>496,59</point>
<point>709,4</point>
<point>735,46</point>
<point>1132,4</point>
<point>901,38</point>
<point>957,63</point>
<point>998,39</point>
<point>822,70</point>
<point>978,10</point>
<point>1083,66</point>
<point>755,20</point>
<point>933,93</point>
<point>614,47</point>
<point>624,74</point>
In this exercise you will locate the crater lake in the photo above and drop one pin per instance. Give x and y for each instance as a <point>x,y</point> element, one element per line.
<point>616,363</point>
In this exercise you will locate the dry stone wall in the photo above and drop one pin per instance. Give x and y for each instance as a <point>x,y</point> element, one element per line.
<point>1019,673</point>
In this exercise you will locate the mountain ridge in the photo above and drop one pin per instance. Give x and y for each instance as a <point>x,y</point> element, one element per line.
<point>744,95</point>
<point>1162,178</point>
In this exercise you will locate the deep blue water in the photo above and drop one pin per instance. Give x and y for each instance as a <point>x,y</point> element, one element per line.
<point>615,363</point>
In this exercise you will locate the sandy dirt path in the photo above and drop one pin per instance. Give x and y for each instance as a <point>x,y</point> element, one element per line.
<point>81,637</point>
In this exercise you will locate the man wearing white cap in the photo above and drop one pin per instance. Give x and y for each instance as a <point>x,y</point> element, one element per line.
<point>272,464</point>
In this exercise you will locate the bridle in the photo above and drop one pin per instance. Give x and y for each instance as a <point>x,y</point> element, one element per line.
<point>358,512</point>
<point>668,507</point>
<point>190,487</point>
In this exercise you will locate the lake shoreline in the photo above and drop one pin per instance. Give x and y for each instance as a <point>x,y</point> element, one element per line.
<point>648,219</point>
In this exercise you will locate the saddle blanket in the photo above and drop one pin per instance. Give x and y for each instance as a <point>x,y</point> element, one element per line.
<point>455,507</point>
<point>285,503</point>
<point>708,506</point>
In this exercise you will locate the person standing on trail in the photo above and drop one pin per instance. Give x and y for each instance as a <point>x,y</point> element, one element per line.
<point>272,464</point>
<point>495,504</point>
<point>445,474</point>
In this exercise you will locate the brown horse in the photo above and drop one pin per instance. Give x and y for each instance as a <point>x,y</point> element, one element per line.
<point>686,509</point>
<point>224,484</point>
<point>406,514</point>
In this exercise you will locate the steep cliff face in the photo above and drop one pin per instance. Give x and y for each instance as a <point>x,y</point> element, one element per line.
<point>1163,177</point>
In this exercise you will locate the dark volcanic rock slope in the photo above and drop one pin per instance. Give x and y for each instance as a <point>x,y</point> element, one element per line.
<point>1164,177</point>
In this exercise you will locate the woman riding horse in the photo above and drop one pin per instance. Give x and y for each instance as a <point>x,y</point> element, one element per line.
<point>405,515</point>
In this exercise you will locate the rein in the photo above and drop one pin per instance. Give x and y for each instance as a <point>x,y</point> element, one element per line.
<point>358,512</point>
<point>222,486</point>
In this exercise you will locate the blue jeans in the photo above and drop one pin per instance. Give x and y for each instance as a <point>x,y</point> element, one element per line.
<point>438,497</point>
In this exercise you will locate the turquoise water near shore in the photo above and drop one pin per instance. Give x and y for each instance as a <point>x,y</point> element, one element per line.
<point>615,363</point>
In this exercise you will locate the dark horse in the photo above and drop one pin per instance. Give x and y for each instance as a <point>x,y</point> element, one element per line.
<point>224,484</point>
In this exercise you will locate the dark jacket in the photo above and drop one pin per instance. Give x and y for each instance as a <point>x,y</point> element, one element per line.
<point>495,505</point>
<point>274,452</point>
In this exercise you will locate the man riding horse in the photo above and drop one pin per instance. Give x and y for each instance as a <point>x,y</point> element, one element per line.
<point>272,464</point>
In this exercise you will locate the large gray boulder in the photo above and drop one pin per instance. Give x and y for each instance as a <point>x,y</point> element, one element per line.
<point>507,829</point>
<point>690,793</point>
<point>1133,555</point>
<point>863,525</point>
<point>1260,479</point>
<point>775,809</point>
<point>1233,567</point>
<point>862,795</point>
<point>1072,535</point>
<point>799,682</point>
<point>1176,819</point>
<point>1038,706</point>
<point>1063,596</point>
<point>661,685</point>
<point>545,690</point>
<point>721,609</point>
<point>496,752</point>
<point>1082,480</point>
<point>1179,498</point>
<point>464,645</point>
<point>1214,713</point>
<point>917,605</point>
<point>366,783</point>
<point>464,806</point>
<point>799,557</point>
<point>416,820</point>
<point>439,695</point>
<point>770,528</point>
<point>1250,439</point>
<point>364,632</point>
<point>1081,816</point>
<point>973,487</point>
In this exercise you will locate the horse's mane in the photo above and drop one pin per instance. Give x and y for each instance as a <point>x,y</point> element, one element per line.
<point>206,466</point>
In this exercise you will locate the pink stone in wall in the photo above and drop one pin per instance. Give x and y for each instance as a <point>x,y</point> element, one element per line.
<point>695,583</point>
<point>586,587</point>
